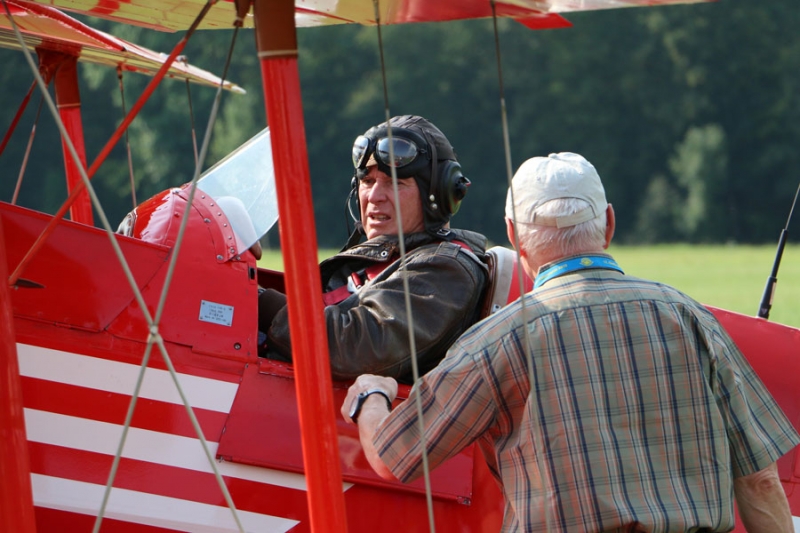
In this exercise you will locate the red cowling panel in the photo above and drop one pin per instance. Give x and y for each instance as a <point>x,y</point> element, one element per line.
<point>774,352</point>
<point>208,272</point>
<point>83,286</point>
<point>82,283</point>
<point>263,430</point>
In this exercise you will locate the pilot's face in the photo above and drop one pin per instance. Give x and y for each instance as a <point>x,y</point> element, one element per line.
<point>377,200</point>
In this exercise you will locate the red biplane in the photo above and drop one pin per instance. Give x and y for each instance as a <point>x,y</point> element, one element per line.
<point>203,435</point>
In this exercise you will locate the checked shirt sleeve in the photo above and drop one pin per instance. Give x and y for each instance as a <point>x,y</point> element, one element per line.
<point>457,408</point>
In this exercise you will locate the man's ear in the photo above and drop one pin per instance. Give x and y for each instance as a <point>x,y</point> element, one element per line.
<point>510,233</point>
<point>511,239</point>
<point>611,224</point>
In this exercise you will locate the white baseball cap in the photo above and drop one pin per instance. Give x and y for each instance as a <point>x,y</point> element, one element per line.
<point>564,175</point>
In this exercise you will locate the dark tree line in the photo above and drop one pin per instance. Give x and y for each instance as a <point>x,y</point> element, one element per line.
<point>690,113</point>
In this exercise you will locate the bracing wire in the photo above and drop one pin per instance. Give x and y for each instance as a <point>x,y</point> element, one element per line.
<point>71,150</point>
<point>406,288</point>
<point>155,337</point>
<point>185,61</point>
<point>17,117</point>
<point>24,165</point>
<point>127,140</point>
<point>104,152</point>
<point>153,324</point>
<point>539,451</point>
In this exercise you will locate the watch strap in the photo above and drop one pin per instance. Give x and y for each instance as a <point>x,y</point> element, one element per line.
<point>362,397</point>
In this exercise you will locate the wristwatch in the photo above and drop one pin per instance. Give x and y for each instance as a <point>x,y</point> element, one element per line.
<point>362,397</point>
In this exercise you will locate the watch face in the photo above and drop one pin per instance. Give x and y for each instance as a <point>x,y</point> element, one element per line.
<point>356,407</point>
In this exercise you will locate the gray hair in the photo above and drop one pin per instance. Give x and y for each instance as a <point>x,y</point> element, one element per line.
<point>535,239</point>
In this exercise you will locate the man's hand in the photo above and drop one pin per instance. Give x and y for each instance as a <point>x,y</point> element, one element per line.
<point>373,411</point>
<point>367,383</point>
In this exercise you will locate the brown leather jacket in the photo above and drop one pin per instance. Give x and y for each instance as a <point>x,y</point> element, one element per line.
<point>368,330</point>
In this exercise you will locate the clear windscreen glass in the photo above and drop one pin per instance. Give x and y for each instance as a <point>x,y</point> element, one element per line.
<point>243,185</point>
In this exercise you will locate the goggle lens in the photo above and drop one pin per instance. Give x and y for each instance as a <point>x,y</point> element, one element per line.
<point>360,148</point>
<point>403,150</point>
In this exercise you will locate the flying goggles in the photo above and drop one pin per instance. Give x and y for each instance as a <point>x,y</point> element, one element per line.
<point>406,151</point>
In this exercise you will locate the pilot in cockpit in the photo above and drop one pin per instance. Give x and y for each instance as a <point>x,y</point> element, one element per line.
<point>363,287</point>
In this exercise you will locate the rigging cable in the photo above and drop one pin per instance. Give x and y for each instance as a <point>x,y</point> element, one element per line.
<point>769,290</point>
<point>27,153</point>
<point>155,337</point>
<point>185,61</point>
<point>18,115</point>
<point>127,140</point>
<point>406,289</point>
<point>104,152</point>
<point>540,449</point>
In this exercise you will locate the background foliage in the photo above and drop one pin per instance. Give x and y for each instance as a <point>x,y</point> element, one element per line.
<point>690,113</point>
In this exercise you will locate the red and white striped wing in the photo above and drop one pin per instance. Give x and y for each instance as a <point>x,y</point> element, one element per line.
<point>75,407</point>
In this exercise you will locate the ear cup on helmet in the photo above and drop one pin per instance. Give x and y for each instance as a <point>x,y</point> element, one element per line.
<point>451,187</point>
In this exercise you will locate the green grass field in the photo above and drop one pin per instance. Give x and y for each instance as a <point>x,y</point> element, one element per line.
<point>730,277</point>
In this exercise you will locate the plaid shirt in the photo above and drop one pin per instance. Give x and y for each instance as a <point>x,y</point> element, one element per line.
<point>643,410</point>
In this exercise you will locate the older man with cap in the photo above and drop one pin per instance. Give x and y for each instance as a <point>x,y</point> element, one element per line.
<point>601,402</point>
<point>363,285</point>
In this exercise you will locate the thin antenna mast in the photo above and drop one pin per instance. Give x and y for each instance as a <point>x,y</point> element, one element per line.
<point>769,290</point>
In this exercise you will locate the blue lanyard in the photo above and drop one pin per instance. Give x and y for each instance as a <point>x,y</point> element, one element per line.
<point>574,264</point>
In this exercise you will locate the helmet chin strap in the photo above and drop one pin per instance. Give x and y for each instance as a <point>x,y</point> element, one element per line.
<point>431,199</point>
<point>431,202</point>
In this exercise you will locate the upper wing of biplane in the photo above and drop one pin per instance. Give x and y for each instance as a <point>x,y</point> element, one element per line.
<point>173,15</point>
<point>43,27</point>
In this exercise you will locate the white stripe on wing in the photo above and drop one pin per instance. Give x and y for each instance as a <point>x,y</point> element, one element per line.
<point>144,445</point>
<point>149,509</point>
<point>114,376</point>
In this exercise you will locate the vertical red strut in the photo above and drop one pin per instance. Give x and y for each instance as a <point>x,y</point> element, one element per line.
<point>68,99</point>
<point>16,495</point>
<point>276,39</point>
